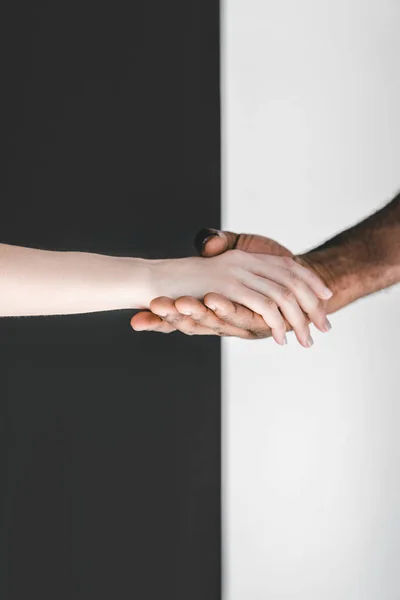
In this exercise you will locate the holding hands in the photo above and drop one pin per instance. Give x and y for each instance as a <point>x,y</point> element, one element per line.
<point>282,293</point>
<point>243,285</point>
<point>273,286</point>
<point>355,263</point>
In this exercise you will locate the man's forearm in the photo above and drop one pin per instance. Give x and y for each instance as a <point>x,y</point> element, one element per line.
<point>42,282</point>
<point>361,260</point>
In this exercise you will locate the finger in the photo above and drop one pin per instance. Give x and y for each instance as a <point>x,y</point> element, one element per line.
<point>158,306</point>
<point>211,242</point>
<point>237,315</point>
<point>317,313</point>
<point>286,302</point>
<point>312,279</point>
<point>208,319</point>
<point>265,307</point>
<point>291,278</point>
<point>165,308</point>
<point>308,300</point>
<point>147,321</point>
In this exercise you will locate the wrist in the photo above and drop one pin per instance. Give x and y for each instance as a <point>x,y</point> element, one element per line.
<point>335,271</point>
<point>317,262</point>
<point>152,278</point>
<point>347,274</point>
<point>136,287</point>
<point>172,277</point>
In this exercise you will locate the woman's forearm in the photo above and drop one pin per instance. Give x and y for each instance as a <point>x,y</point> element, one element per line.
<point>43,282</point>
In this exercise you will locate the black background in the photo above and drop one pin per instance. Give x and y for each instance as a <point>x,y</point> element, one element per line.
<point>110,439</point>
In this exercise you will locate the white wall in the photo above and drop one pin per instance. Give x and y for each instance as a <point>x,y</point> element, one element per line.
<point>311,439</point>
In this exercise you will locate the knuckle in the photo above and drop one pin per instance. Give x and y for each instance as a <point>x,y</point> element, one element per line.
<point>257,259</point>
<point>169,331</point>
<point>220,331</point>
<point>189,330</point>
<point>316,305</point>
<point>269,304</point>
<point>288,295</point>
<point>292,276</point>
<point>313,304</point>
<point>310,274</point>
<point>238,258</point>
<point>175,322</point>
<point>211,298</point>
<point>249,335</point>
<point>288,262</point>
<point>259,333</point>
<point>234,254</point>
<point>224,317</point>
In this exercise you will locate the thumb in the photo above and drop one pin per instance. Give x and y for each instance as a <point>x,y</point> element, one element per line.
<point>211,242</point>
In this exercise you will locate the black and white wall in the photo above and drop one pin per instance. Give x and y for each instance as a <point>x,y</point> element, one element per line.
<point>142,465</point>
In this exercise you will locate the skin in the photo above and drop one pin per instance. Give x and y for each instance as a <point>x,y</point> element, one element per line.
<point>44,282</point>
<point>273,286</point>
<point>355,263</point>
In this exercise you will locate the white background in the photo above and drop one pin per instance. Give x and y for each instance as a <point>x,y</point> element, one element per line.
<point>311,438</point>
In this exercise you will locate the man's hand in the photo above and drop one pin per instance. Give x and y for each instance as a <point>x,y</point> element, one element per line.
<point>215,315</point>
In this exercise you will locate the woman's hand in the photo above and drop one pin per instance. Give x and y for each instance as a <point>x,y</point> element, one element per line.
<point>277,288</point>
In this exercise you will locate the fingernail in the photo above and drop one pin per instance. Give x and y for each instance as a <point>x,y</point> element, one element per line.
<point>310,341</point>
<point>185,312</point>
<point>327,293</point>
<point>327,325</point>
<point>203,236</point>
<point>212,307</point>
<point>284,341</point>
<point>161,314</point>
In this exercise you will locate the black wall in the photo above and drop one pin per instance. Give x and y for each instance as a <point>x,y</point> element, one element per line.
<point>110,439</point>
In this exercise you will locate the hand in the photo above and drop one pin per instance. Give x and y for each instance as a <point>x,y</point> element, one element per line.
<point>272,286</point>
<point>229,318</point>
